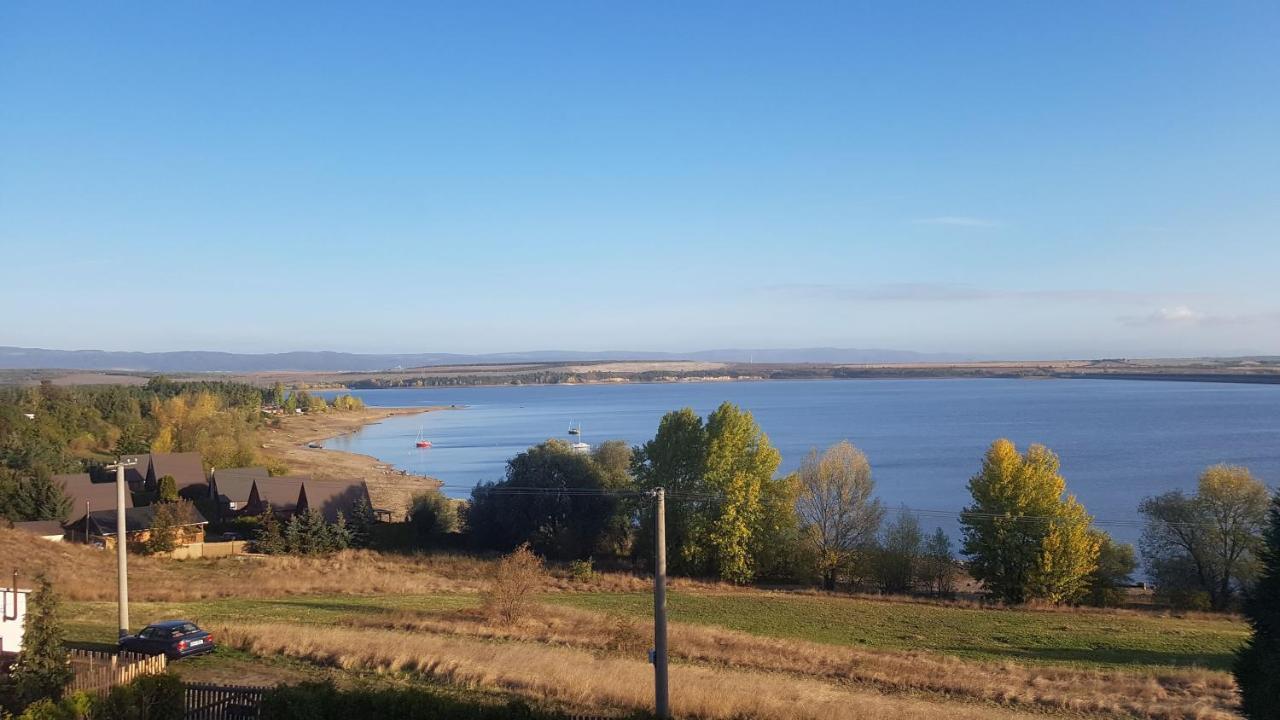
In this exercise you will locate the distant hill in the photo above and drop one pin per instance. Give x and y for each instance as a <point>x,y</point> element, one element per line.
<point>325,361</point>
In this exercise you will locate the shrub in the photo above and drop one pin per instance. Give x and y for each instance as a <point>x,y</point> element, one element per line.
<point>150,697</point>
<point>582,570</point>
<point>323,701</point>
<point>516,577</point>
<point>432,515</point>
<point>167,489</point>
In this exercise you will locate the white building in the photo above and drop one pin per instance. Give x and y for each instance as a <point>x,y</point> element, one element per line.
<point>13,610</point>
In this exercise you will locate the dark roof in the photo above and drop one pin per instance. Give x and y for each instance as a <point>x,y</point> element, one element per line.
<point>40,527</point>
<point>185,467</point>
<point>281,492</point>
<point>234,488</point>
<point>137,473</point>
<point>80,488</point>
<point>135,519</point>
<point>331,497</point>
<point>255,472</point>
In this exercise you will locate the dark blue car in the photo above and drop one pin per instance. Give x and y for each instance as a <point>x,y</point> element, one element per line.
<point>174,638</point>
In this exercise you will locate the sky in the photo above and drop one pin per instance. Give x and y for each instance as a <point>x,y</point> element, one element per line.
<point>1086,179</point>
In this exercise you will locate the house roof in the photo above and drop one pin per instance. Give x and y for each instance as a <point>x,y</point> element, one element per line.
<point>281,492</point>
<point>331,497</point>
<point>135,519</point>
<point>80,488</point>
<point>137,473</point>
<point>43,528</point>
<point>235,487</point>
<point>257,472</point>
<point>185,467</point>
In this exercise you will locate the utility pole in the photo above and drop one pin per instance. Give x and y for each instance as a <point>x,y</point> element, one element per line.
<point>122,536</point>
<point>660,688</point>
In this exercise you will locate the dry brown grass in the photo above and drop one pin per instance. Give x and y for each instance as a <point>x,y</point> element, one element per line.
<point>1167,695</point>
<point>84,573</point>
<point>581,679</point>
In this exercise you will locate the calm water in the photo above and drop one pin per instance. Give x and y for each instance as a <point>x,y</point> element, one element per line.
<point>1119,440</point>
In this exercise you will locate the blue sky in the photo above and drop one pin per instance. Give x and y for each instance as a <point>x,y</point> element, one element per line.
<point>1020,179</point>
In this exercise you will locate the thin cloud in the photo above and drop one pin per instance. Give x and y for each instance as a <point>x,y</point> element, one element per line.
<point>958,221</point>
<point>951,292</point>
<point>1184,316</point>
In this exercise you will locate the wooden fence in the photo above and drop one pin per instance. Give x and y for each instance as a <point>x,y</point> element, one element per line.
<point>97,672</point>
<point>223,702</point>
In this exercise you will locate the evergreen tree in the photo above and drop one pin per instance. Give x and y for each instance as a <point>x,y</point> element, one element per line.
<point>42,670</point>
<point>1024,540</point>
<point>1257,667</point>
<point>167,489</point>
<point>269,539</point>
<point>39,497</point>
<point>361,524</point>
<point>339,534</point>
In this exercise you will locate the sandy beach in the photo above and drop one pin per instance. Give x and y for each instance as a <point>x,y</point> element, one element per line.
<point>389,488</point>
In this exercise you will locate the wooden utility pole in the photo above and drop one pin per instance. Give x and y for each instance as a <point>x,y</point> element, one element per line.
<point>661,700</point>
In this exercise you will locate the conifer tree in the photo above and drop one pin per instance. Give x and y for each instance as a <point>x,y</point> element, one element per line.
<point>1257,667</point>
<point>167,489</point>
<point>38,497</point>
<point>42,670</point>
<point>361,524</point>
<point>269,540</point>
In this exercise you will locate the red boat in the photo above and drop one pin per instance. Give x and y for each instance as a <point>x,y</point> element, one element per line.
<point>422,442</point>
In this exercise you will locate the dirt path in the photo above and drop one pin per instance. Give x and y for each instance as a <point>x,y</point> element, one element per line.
<point>389,488</point>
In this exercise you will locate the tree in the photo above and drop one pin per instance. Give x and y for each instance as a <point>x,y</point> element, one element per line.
<point>553,498</point>
<point>432,516</point>
<point>897,560</point>
<point>1023,539</point>
<point>39,497</point>
<point>1257,666</point>
<point>167,489</point>
<point>361,524</point>
<point>170,518</point>
<point>277,394</point>
<point>42,670</point>
<point>836,507</point>
<point>938,565</point>
<point>509,594</point>
<point>1205,544</point>
<point>675,459</point>
<point>269,538</point>
<point>740,464</point>
<point>1116,563</point>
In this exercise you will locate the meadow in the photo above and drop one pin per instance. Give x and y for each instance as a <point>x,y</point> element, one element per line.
<point>362,617</point>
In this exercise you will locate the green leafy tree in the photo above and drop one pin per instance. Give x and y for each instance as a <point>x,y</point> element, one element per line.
<point>675,459</point>
<point>432,516</point>
<point>740,465</point>
<point>1023,539</point>
<point>277,395</point>
<point>42,669</point>
<point>836,508</point>
<point>1116,563</point>
<point>1257,666</point>
<point>897,560</point>
<point>39,497</point>
<point>166,527</point>
<point>572,524</point>
<point>938,566</point>
<point>1205,545</point>
<point>167,489</point>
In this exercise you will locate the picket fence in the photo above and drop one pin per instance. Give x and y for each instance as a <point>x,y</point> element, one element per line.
<point>97,672</point>
<point>223,702</point>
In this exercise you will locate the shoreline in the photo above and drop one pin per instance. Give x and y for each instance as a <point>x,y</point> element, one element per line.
<point>390,489</point>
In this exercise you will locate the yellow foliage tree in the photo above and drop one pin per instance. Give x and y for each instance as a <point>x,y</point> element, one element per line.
<point>740,466</point>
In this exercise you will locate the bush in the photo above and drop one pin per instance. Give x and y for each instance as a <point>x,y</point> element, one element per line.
<point>516,577</point>
<point>432,515</point>
<point>150,697</point>
<point>582,570</point>
<point>323,701</point>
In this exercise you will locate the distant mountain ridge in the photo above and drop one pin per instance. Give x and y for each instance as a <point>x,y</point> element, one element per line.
<point>19,358</point>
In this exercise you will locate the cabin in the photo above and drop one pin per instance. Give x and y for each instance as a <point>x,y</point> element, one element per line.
<point>86,497</point>
<point>50,530</point>
<point>138,523</point>
<point>331,497</point>
<point>186,468</point>
<point>281,493</point>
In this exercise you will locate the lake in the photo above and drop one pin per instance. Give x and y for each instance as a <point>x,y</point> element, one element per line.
<point>1119,440</point>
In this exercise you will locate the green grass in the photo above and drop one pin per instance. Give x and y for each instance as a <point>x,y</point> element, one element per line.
<point>1100,639</point>
<point>1085,638</point>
